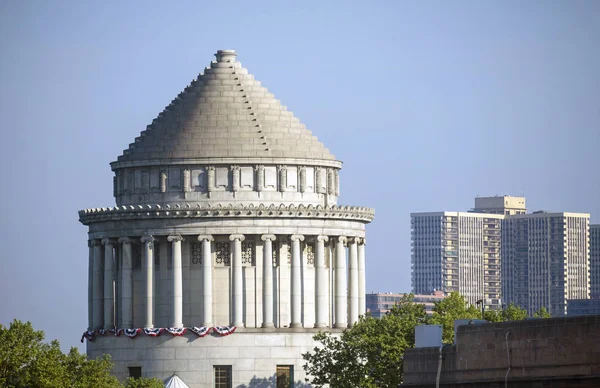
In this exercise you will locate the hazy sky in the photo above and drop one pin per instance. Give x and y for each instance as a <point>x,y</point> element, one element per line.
<point>427,103</point>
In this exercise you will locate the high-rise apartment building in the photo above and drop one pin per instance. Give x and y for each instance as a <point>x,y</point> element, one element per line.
<point>545,260</point>
<point>595,261</point>
<point>455,251</point>
<point>503,204</point>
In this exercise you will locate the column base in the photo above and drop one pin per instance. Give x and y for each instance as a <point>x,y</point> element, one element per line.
<point>238,324</point>
<point>206,324</point>
<point>340,325</point>
<point>295,325</point>
<point>268,325</point>
<point>320,325</point>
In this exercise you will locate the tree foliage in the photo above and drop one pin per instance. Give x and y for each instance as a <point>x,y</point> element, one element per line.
<point>370,354</point>
<point>542,313</point>
<point>27,361</point>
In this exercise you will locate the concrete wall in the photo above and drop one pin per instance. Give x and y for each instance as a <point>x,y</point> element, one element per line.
<point>252,354</point>
<point>562,352</point>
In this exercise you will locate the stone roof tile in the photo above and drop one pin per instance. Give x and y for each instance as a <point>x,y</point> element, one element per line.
<point>225,111</point>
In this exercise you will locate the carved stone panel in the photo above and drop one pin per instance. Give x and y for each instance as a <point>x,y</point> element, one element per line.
<point>198,177</point>
<point>292,178</point>
<point>270,178</point>
<point>247,178</point>
<point>174,178</point>
<point>154,179</point>
<point>222,178</point>
<point>321,180</point>
<point>310,179</point>
<point>138,180</point>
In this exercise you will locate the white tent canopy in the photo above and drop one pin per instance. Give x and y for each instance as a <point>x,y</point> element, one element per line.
<point>175,382</point>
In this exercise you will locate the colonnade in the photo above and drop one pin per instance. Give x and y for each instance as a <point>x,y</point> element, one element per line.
<point>348,293</point>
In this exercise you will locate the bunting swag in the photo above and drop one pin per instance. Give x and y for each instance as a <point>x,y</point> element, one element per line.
<point>116,332</point>
<point>102,332</point>
<point>224,330</point>
<point>176,331</point>
<point>153,332</point>
<point>89,335</point>
<point>132,333</point>
<point>200,331</point>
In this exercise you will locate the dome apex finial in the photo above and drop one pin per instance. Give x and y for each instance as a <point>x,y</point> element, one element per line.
<point>226,55</point>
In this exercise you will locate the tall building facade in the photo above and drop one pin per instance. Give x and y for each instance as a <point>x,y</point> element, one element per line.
<point>545,260</point>
<point>455,251</point>
<point>226,250</point>
<point>595,261</point>
<point>504,204</point>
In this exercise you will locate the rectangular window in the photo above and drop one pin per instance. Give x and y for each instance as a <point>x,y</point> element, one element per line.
<point>285,376</point>
<point>135,372</point>
<point>222,376</point>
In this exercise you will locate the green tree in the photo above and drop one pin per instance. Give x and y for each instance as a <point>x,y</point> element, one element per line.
<point>370,353</point>
<point>451,308</point>
<point>27,361</point>
<point>510,313</point>
<point>143,382</point>
<point>542,313</point>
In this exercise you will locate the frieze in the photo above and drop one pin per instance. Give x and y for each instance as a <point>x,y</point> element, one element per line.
<point>88,216</point>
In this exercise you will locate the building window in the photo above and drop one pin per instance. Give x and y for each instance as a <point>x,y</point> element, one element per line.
<point>285,376</point>
<point>222,376</point>
<point>223,253</point>
<point>248,253</point>
<point>135,372</point>
<point>196,253</point>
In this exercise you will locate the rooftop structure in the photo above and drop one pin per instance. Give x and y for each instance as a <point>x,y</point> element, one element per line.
<point>226,222</point>
<point>503,204</point>
<point>595,261</point>
<point>379,304</point>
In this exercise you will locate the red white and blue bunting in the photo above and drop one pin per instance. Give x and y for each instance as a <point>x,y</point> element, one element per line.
<point>177,331</point>
<point>202,331</point>
<point>224,330</point>
<point>153,332</point>
<point>132,333</point>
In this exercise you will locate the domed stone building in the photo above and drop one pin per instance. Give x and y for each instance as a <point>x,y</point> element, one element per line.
<point>226,222</point>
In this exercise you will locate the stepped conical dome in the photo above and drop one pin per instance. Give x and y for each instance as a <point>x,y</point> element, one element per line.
<point>225,112</point>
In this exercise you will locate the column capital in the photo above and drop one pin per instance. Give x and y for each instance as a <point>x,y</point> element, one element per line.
<point>234,237</point>
<point>205,237</point>
<point>175,238</point>
<point>297,237</point>
<point>322,238</point>
<point>342,239</point>
<point>94,243</point>
<point>270,237</point>
<point>125,240</point>
<point>354,240</point>
<point>108,241</point>
<point>147,239</point>
<point>362,241</point>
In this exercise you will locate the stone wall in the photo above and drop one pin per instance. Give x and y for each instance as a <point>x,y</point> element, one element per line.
<point>558,352</point>
<point>253,355</point>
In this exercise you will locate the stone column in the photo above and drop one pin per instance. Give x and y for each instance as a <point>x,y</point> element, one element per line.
<point>126,284</point>
<point>320,283</point>
<point>148,242</point>
<point>109,297</point>
<point>177,303</point>
<point>235,178</point>
<point>206,294</point>
<point>352,281</point>
<point>186,180</point>
<point>267,302</point>
<point>296,281</point>
<point>90,284</point>
<point>98,287</point>
<point>236,289</point>
<point>341,293</point>
<point>362,288</point>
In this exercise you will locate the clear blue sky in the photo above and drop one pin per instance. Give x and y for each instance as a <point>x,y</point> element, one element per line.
<point>428,103</point>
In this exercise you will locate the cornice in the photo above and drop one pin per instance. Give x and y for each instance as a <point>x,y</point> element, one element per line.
<point>227,161</point>
<point>131,212</point>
